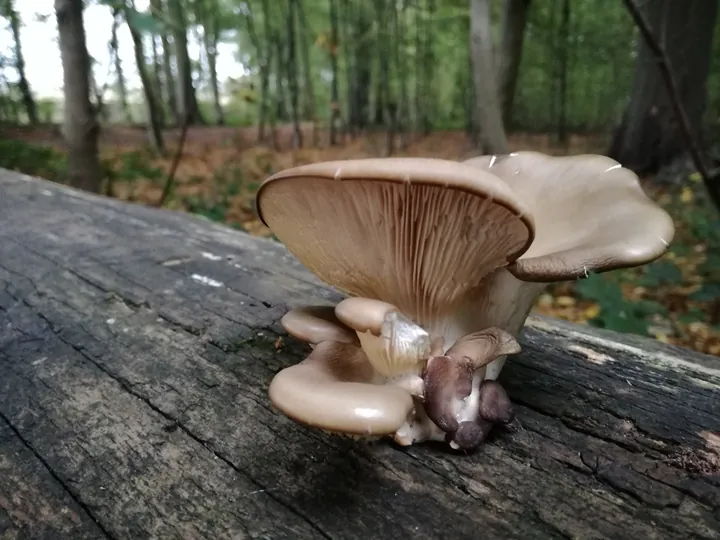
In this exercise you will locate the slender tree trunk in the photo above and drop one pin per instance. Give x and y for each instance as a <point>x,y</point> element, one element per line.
<point>402,105</point>
<point>385,106</point>
<point>429,69</point>
<point>187,99</point>
<point>80,129</point>
<point>210,41</point>
<point>487,106</point>
<point>510,54</point>
<point>334,92</point>
<point>121,87</point>
<point>167,65</point>
<point>310,109</point>
<point>349,66</point>
<point>650,135</point>
<point>291,70</point>
<point>563,52</point>
<point>157,78</point>
<point>361,75</point>
<point>151,102</point>
<point>24,86</point>
<point>263,50</point>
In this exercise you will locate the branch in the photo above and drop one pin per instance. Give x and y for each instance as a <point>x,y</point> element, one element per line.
<point>664,64</point>
<point>176,161</point>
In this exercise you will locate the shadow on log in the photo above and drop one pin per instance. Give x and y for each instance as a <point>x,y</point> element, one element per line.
<point>136,348</point>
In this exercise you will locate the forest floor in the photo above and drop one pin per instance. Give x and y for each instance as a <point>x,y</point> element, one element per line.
<point>675,299</point>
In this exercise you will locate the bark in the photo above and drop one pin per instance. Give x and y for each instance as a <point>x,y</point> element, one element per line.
<point>80,128</point>
<point>24,86</point>
<point>120,366</point>
<point>510,53</point>
<point>334,91</point>
<point>151,102</point>
<point>121,87</point>
<point>186,97</point>
<point>487,107</point>
<point>650,135</point>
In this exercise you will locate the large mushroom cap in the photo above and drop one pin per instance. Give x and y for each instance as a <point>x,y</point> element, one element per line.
<point>591,214</point>
<point>418,233</point>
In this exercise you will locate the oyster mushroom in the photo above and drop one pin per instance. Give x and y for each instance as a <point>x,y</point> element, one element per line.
<point>442,261</point>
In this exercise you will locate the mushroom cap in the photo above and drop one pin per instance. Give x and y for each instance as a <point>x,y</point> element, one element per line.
<point>416,232</point>
<point>591,214</point>
<point>363,314</point>
<point>314,324</point>
<point>330,390</point>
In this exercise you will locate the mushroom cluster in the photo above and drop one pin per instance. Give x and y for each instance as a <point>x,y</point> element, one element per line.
<point>441,261</point>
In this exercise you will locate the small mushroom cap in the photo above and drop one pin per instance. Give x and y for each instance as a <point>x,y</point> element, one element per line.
<point>363,314</point>
<point>482,347</point>
<point>314,324</point>
<point>418,233</point>
<point>330,390</point>
<point>591,215</point>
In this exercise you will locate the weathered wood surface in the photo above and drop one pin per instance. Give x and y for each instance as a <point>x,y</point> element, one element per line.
<point>136,347</point>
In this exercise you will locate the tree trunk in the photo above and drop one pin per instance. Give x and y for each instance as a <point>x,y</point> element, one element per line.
<point>650,135</point>
<point>309,112</point>
<point>361,73</point>
<point>211,36</point>
<point>122,89</point>
<point>187,100</point>
<point>80,128</point>
<point>487,107</point>
<point>291,71</point>
<point>563,53</point>
<point>511,46</point>
<point>157,78</point>
<point>24,86</point>
<point>399,58</point>
<point>169,82</point>
<point>151,102</point>
<point>428,109</point>
<point>334,92</point>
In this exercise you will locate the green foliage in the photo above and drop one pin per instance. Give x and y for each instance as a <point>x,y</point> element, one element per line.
<point>617,313</point>
<point>134,165</point>
<point>33,159</point>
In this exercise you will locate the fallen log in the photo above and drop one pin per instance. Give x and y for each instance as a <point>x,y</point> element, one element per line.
<point>136,348</point>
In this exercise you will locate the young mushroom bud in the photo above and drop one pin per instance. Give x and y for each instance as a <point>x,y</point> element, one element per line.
<point>453,393</point>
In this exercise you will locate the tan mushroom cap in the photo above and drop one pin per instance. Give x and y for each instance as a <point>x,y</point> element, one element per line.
<point>329,390</point>
<point>314,324</point>
<point>591,215</point>
<point>417,232</point>
<point>363,314</point>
